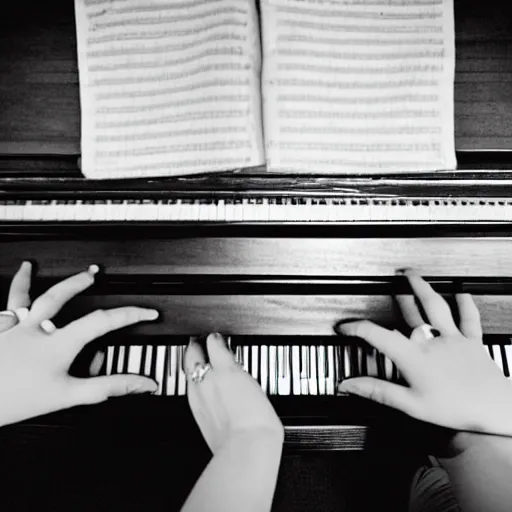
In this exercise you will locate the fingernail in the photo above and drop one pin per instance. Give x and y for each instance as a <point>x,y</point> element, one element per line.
<point>26,265</point>
<point>151,314</point>
<point>93,269</point>
<point>216,336</point>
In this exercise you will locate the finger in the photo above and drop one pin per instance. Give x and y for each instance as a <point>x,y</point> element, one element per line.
<point>97,389</point>
<point>194,355</point>
<point>381,391</point>
<point>7,321</point>
<point>97,363</point>
<point>100,322</point>
<point>218,352</point>
<point>19,292</point>
<point>470,324</point>
<point>390,343</point>
<point>410,310</point>
<point>49,304</point>
<point>436,308</point>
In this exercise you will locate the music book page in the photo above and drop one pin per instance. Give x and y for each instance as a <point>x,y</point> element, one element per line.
<point>168,87</point>
<point>358,86</point>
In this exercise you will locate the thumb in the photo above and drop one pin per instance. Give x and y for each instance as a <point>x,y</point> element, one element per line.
<point>218,352</point>
<point>7,322</point>
<point>380,391</point>
<point>97,389</point>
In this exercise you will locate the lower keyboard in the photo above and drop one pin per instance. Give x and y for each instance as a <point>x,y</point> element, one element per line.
<point>300,370</point>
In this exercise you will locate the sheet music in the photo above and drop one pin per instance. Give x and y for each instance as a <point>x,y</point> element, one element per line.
<point>168,87</point>
<point>358,86</point>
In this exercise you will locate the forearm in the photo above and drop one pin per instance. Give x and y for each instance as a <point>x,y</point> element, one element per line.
<point>240,477</point>
<point>481,474</point>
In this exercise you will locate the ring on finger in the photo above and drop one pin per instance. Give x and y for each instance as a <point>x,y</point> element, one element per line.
<point>422,332</point>
<point>199,372</point>
<point>48,326</point>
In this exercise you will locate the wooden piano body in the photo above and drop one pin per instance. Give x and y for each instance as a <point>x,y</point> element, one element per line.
<point>265,259</point>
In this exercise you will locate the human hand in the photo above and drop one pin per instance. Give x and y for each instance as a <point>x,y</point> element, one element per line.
<point>452,380</point>
<point>228,401</point>
<point>34,363</point>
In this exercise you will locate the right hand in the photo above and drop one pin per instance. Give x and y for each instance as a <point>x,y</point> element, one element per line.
<point>228,401</point>
<point>452,380</point>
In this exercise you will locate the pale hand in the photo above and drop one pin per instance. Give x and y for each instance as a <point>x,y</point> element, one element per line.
<point>34,365</point>
<point>228,401</point>
<point>452,380</point>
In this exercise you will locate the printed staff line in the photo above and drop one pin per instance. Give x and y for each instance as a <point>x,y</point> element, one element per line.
<point>177,148</point>
<point>137,50</point>
<point>384,130</point>
<point>177,164</point>
<point>412,164</point>
<point>379,15</point>
<point>100,96</point>
<point>387,70</point>
<point>162,77</point>
<point>310,40</point>
<point>326,27</point>
<point>216,52</point>
<point>409,98</point>
<point>362,56</point>
<point>373,3</point>
<point>396,114</point>
<point>191,116</point>
<point>176,5</point>
<point>168,134</point>
<point>158,34</point>
<point>294,82</point>
<point>131,109</point>
<point>160,20</point>
<point>360,147</point>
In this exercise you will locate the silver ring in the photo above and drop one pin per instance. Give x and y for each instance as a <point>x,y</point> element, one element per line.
<point>48,326</point>
<point>18,313</point>
<point>424,330</point>
<point>199,372</point>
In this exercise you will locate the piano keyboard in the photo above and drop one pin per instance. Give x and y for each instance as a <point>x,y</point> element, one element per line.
<point>300,209</point>
<point>299,370</point>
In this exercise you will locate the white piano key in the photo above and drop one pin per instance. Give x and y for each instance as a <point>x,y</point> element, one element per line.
<point>296,385</point>
<point>134,357</point>
<point>331,373</point>
<point>284,383</point>
<point>182,378</point>
<point>313,378</point>
<point>346,361</point>
<point>264,368</point>
<point>322,363</point>
<point>508,353</point>
<point>388,367</point>
<point>221,210</point>
<point>245,356</point>
<point>172,376</point>
<point>497,357</point>
<point>304,374</point>
<point>120,359</point>
<point>160,367</point>
<point>272,369</point>
<point>149,359</point>
<point>110,360</point>
<point>255,362</point>
<point>371,363</point>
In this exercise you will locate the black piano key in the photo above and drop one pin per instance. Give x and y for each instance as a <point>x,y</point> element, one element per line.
<point>506,370</point>
<point>491,351</point>
<point>126,358</point>
<point>354,361</point>
<point>143,359</point>
<point>394,374</point>
<point>381,368</point>
<point>364,351</point>
<point>115,360</point>
<point>166,369</point>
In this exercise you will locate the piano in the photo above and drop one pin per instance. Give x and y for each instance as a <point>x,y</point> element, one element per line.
<point>272,262</point>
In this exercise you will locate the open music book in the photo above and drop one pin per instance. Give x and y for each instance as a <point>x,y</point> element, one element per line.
<point>175,87</point>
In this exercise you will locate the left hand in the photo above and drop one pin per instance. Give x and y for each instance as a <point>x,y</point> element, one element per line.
<point>34,364</point>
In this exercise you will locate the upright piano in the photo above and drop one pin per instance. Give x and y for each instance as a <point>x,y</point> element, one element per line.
<point>271,261</point>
